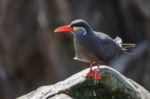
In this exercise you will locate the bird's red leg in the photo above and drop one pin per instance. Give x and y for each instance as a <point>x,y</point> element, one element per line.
<point>91,72</point>
<point>97,74</point>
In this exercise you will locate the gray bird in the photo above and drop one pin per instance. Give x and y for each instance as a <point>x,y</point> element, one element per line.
<point>91,46</point>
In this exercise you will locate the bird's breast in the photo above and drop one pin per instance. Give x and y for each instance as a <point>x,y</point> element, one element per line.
<point>83,51</point>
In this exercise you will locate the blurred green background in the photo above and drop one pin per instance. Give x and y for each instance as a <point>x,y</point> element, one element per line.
<point>32,55</point>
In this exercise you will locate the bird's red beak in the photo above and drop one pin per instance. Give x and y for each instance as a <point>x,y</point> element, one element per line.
<point>67,28</point>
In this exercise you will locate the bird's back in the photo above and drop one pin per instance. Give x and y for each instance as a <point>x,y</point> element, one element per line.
<point>107,48</point>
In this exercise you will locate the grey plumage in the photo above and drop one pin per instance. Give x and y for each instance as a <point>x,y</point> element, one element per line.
<point>91,46</point>
<point>95,47</point>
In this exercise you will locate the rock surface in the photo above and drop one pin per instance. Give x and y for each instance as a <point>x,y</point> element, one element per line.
<point>113,85</point>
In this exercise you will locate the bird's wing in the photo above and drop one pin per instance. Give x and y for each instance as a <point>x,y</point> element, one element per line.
<point>107,47</point>
<point>107,38</point>
<point>102,35</point>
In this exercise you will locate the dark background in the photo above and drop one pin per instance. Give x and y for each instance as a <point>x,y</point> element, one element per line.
<point>32,55</point>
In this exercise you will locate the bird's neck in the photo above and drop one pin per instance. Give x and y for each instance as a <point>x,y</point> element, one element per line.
<point>89,30</point>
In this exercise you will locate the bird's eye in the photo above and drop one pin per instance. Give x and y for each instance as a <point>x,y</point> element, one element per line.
<point>75,28</point>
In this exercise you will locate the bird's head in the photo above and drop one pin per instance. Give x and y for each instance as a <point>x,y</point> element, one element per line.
<point>75,26</point>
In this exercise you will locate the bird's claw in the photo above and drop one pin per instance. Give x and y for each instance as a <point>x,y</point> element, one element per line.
<point>97,75</point>
<point>90,74</point>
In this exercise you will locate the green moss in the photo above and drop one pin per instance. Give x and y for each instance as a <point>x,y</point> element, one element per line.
<point>107,88</point>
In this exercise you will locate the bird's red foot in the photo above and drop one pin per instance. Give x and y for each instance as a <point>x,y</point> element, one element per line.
<point>97,75</point>
<point>90,73</point>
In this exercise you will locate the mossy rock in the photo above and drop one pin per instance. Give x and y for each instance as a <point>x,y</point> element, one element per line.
<point>106,88</point>
<point>113,85</point>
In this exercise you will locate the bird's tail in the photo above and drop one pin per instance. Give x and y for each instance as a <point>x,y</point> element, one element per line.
<point>125,46</point>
